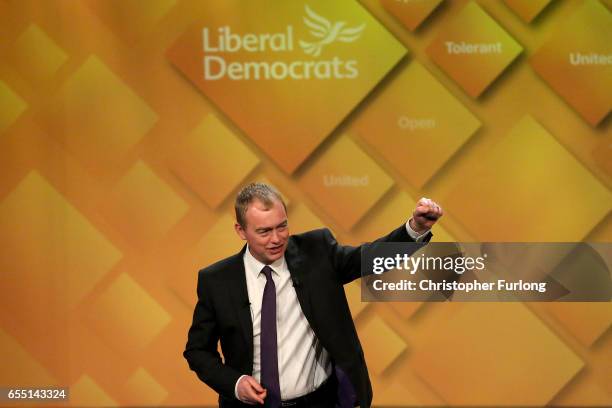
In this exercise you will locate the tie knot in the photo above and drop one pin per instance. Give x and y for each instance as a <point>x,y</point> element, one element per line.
<point>267,271</point>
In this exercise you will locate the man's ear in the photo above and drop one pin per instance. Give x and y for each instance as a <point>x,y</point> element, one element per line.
<point>240,231</point>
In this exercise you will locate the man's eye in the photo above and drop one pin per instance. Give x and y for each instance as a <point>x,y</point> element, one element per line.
<point>282,228</point>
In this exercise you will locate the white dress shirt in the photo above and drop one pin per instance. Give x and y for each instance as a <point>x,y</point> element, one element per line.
<point>303,363</point>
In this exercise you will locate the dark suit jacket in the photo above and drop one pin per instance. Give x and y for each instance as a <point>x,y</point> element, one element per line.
<point>319,267</point>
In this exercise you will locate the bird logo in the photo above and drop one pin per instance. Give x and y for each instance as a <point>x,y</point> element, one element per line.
<point>327,32</point>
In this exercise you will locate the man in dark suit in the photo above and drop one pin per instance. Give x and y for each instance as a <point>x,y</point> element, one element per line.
<point>279,311</point>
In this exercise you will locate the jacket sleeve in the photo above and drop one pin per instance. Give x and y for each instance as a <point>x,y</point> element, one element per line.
<point>201,349</point>
<point>346,259</point>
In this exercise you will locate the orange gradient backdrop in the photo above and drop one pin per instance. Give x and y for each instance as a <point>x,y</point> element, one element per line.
<point>120,164</point>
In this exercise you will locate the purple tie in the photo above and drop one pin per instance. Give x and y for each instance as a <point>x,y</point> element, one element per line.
<point>269,356</point>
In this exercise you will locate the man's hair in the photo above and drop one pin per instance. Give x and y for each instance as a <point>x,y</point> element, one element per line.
<point>255,191</point>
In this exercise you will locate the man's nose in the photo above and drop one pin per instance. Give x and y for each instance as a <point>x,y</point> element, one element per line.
<point>275,236</point>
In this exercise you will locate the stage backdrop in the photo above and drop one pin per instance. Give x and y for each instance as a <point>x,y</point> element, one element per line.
<point>127,127</point>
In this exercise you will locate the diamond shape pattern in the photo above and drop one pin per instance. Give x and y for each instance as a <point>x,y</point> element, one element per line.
<point>411,13</point>
<point>213,161</point>
<point>88,393</point>
<point>302,219</point>
<point>141,388</point>
<point>570,190</point>
<point>602,154</point>
<point>586,321</point>
<point>568,61</point>
<point>527,9</point>
<point>473,49</point>
<point>508,345</point>
<point>142,206</point>
<point>36,55</point>
<point>12,106</point>
<point>32,265</point>
<point>373,334</point>
<point>120,162</point>
<point>416,114</point>
<point>30,373</point>
<point>126,316</point>
<point>128,18</point>
<point>102,117</point>
<point>346,182</point>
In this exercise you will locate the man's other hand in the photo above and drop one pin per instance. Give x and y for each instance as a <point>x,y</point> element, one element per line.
<point>425,215</point>
<point>250,391</point>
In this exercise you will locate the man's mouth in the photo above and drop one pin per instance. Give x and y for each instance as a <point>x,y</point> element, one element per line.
<point>276,249</point>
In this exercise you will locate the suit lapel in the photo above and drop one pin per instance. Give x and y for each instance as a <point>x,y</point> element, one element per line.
<point>297,268</point>
<point>239,296</point>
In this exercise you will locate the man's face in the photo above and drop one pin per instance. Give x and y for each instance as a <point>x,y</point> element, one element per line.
<point>265,231</point>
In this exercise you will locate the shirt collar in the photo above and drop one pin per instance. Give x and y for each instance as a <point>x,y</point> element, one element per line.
<point>255,266</point>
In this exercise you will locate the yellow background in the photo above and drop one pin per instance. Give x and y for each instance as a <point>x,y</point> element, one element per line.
<point>118,177</point>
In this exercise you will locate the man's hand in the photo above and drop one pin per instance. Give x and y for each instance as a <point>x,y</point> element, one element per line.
<point>425,215</point>
<point>250,392</point>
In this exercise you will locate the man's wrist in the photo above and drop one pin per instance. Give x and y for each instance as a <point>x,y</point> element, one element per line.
<point>236,387</point>
<point>416,228</point>
<point>416,235</point>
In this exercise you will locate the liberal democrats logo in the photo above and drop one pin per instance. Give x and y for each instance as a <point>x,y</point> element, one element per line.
<point>321,28</point>
<point>280,69</point>
<point>272,55</point>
